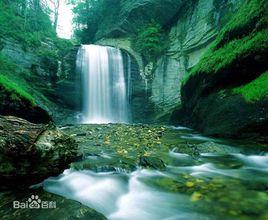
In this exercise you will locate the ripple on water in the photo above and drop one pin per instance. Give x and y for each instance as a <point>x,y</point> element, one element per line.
<point>119,197</point>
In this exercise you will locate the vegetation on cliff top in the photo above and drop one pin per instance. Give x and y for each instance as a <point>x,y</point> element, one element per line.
<point>215,61</point>
<point>255,90</point>
<point>243,35</point>
<point>251,17</point>
<point>87,17</point>
<point>26,23</point>
<point>150,41</point>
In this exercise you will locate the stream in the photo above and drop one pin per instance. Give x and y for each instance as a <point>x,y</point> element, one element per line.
<point>202,178</point>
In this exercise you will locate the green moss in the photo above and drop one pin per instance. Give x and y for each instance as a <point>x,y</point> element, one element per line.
<point>16,91</point>
<point>215,61</point>
<point>255,90</point>
<point>243,35</point>
<point>249,18</point>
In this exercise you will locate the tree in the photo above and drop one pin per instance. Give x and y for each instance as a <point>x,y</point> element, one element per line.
<point>55,4</point>
<point>87,16</point>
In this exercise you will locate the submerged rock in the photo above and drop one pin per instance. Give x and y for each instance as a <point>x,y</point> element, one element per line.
<point>31,152</point>
<point>152,162</point>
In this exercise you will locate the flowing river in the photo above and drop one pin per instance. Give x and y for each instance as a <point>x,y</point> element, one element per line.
<point>202,178</point>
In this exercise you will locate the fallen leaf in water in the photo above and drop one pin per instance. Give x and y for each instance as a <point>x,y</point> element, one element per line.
<point>196,196</point>
<point>189,184</point>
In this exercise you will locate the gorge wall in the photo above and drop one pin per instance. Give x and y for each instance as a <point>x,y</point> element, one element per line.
<point>213,74</point>
<point>226,93</point>
<point>38,83</point>
<point>191,27</point>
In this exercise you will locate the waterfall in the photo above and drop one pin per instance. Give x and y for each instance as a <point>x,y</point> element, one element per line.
<point>104,87</point>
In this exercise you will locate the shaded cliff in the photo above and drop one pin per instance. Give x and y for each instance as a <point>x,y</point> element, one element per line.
<point>214,66</point>
<point>37,83</point>
<point>226,93</point>
<point>34,65</point>
<point>190,27</point>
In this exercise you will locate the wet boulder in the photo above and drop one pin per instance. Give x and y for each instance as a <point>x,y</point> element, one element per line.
<point>31,152</point>
<point>151,162</point>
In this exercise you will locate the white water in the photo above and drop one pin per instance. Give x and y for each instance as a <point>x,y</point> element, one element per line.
<point>121,196</point>
<point>128,196</point>
<point>105,89</point>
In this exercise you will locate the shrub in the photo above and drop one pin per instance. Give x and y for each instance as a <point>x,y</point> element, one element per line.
<point>28,32</point>
<point>150,41</point>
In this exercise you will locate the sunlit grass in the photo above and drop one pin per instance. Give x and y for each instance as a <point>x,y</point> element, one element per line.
<point>16,91</point>
<point>255,90</point>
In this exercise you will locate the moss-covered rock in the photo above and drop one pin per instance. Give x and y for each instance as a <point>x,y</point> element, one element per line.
<point>151,162</point>
<point>31,152</point>
<point>256,90</point>
<point>225,94</point>
<point>18,102</point>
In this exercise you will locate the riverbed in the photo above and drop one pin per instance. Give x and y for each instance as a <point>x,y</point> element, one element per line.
<point>156,172</point>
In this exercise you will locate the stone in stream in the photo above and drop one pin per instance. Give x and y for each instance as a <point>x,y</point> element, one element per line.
<point>31,152</point>
<point>152,162</point>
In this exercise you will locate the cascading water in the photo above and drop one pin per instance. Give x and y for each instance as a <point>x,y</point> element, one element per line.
<point>105,89</point>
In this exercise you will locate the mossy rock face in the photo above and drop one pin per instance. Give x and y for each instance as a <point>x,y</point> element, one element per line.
<point>228,115</point>
<point>225,94</point>
<point>18,102</point>
<point>31,152</point>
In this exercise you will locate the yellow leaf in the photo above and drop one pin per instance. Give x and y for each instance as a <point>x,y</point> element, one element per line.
<point>196,196</point>
<point>189,184</point>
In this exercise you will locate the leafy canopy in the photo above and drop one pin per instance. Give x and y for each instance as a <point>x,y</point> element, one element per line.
<point>150,41</point>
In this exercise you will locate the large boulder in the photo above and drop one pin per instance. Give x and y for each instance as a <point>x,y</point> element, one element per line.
<point>31,152</point>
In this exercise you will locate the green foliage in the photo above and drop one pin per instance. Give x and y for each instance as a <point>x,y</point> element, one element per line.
<point>255,90</point>
<point>16,91</point>
<point>47,53</point>
<point>63,46</point>
<point>28,26</point>
<point>87,16</point>
<point>244,34</point>
<point>150,41</point>
<point>6,66</point>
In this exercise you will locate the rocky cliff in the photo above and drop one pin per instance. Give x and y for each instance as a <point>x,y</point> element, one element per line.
<point>191,27</point>
<point>38,83</point>
<point>225,94</point>
<point>216,48</point>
